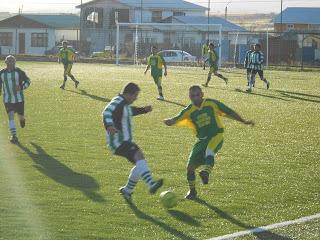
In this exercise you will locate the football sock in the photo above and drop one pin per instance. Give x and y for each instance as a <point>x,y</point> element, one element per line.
<point>12,127</point>
<point>132,180</point>
<point>191,177</point>
<point>209,163</point>
<point>73,78</point>
<point>160,91</point>
<point>144,172</point>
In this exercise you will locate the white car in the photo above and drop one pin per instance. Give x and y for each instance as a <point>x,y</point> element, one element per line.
<point>177,56</point>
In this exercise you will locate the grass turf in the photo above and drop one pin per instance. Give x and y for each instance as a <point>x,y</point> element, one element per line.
<point>62,183</point>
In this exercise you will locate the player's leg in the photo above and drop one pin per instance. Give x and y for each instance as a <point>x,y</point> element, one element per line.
<point>20,112</point>
<point>196,159</point>
<point>158,81</point>
<point>252,80</point>
<point>248,76</point>
<point>69,68</point>
<point>220,75</point>
<point>12,125</point>
<point>141,170</point>
<point>264,79</point>
<point>213,147</point>
<point>209,76</point>
<point>65,78</point>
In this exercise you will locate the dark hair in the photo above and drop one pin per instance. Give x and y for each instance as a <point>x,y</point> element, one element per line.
<point>258,45</point>
<point>195,87</point>
<point>211,44</point>
<point>130,88</point>
<point>153,46</point>
<point>64,42</point>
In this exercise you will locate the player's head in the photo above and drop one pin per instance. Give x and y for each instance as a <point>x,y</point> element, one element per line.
<point>10,61</point>
<point>211,46</point>
<point>65,44</point>
<point>196,95</point>
<point>130,92</point>
<point>154,49</point>
<point>257,47</point>
<point>252,47</point>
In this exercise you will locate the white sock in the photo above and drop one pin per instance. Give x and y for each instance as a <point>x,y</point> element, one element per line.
<point>144,172</point>
<point>12,127</point>
<point>132,180</point>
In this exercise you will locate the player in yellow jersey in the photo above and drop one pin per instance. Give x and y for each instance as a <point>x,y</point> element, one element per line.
<point>67,56</point>
<point>204,116</point>
<point>156,63</point>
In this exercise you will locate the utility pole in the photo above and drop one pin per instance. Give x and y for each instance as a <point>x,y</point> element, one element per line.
<point>281,15</point>
<point>209,4</point>
<point>80,30</point>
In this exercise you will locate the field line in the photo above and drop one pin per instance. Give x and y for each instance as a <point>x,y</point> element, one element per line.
<point>267,228</point>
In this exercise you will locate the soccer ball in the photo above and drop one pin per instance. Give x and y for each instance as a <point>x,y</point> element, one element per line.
<point>168,199</point>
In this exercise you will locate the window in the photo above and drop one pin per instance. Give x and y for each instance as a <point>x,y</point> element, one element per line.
<point>6,39</point>
<point>39,39</point>
<point>179,13</point>
<point>290,26</point>
<point>156,16</point>
<point>93,17</point>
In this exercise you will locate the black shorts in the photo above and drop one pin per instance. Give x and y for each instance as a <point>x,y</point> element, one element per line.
<point>15,107</point>
<point>249,70</point>
<point>127,150</point>
<point>260,73</point>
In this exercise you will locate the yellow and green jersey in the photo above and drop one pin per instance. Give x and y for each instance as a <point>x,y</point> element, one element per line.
<point>205,49</point>
<point>205,120</point>
<point>67,55</point>
<point>156,62</point>
<point>213,57</point>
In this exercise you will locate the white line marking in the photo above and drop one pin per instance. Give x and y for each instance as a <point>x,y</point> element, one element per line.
<point>266,228</point>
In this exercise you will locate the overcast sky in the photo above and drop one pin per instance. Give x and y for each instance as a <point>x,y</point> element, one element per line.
<point>217,6</point>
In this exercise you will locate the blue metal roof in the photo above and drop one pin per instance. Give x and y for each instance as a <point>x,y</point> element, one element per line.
<point>226,25</point>
<point>56,21</point>
<point>299,15</point>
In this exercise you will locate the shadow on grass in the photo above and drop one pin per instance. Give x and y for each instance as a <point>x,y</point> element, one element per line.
<point>176,233</point>
<point>183,217</point>
<point>89,95</point>
<point>262,95</point>
<point>60,173</point>
<point>175,103</point>
<point>264,235</point>
<point>299,96</point>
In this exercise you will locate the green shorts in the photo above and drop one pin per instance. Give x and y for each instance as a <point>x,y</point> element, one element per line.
<point>157,78</point>
<point>213,68</point>
<point>199,151</point>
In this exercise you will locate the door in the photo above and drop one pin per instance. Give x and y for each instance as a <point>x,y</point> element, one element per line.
<point>22,43</point>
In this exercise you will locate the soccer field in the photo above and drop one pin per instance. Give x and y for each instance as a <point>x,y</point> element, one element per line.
<point>62,183</point>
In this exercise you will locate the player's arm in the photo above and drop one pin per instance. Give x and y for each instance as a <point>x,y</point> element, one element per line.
<point>245,61</point>
<point>228,112</point>
<point>164,65</point>
<point>148,66</point>
<point>140,110</point>
<point>59,57</point>
<point>181,116</point>
<point>24,81</point>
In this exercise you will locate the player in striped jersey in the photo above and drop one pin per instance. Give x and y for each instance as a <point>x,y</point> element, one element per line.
<point>256,65</point>
<point>213,60</point>
<point>13,81</point>
<point>246,63</point>
<point>117,122</point>
<point>204,116</point>
<point>67,56</point>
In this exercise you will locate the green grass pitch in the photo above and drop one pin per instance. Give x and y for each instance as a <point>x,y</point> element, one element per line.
<point>62,183</point>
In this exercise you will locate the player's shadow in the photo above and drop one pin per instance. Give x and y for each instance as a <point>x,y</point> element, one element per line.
<point>299,96</point>
<point>89,95</point>
<point>262,235</point>
<point>57,171</point>
<point>175,103</point>
<point>183,217</point>
<point>176,233</point>
<point>262,95</point>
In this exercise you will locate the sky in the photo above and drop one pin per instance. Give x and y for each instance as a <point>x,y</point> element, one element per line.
<point>217,6</point>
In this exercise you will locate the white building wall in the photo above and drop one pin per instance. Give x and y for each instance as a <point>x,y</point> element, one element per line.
<point>29,50</point>
<point>61,34</point>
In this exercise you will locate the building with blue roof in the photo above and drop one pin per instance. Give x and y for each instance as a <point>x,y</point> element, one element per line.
<point>35,34</point>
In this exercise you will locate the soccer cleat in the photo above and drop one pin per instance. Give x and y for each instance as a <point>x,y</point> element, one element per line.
<point>268,85</point>
<point>125,194</point>
<point>205,85</point>
<point>192,194</point>
<point>76,84</point>
<point>161,98</point>
<point>204,175</point>
<point>22,123</point>
<point>62,86</point>
<point>158,184</point>
<point>14,139</point>
<point>249,90</point>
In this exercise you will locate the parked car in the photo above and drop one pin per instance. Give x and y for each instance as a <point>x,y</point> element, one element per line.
<point>177,56</point>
